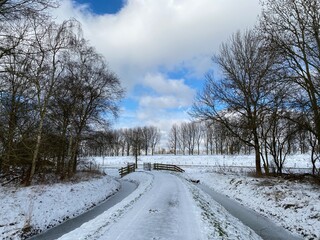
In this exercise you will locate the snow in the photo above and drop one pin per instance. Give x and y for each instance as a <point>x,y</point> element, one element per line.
<point>103,221</point>
<point>290,204</point>
<point>164,207</point>
<point>44,206</point>
<point>293,205</point>
<point>168,201</point>
<point>301,161</point>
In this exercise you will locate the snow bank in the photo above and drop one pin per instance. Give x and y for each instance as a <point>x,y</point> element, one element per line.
<point>292,205</point>
<point>37,208</point>
<point>218,223</point>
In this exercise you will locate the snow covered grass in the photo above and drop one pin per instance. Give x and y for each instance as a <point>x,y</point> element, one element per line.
<point>242,161</point>
<point>217,223</point>
<point>36,208</point>
<point>291,204</point>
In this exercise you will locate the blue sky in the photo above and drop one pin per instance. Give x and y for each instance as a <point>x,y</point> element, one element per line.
<point>103,6</point>
<point>160,49</point>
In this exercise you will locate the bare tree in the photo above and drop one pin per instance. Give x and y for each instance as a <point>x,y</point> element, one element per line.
<point>292,27</point>
<point>173,138</point>
<point>16,13</point>
<point>117,142</point>
<point>189,134</point>
<point>14,91</point>
<point>54,88</point>
<point>208,137</point>
<point>146,134</point>
<point>93,92</point>
<point>199,129</point>
<point>17,9</point>
<point>220,137</point>
<point>276,134</point>
<point>155,137</point>
<point>182,138</point>
<point>127,139</point>
<point>240,99</point>
<point>136,138</point>
<point>45,68</point>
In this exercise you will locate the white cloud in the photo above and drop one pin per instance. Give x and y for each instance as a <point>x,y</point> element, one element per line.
<point>167,103</point>
<point>161,119</point>
<point>151,36</point>
<point>159,102</point>
<point>147,34</point>
<point>174,87</point>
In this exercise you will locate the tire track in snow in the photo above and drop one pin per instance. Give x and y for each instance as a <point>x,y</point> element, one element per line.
<point>164,212</point>
<point>96,227</point>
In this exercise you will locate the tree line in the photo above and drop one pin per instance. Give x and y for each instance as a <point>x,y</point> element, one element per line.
<point>123,142</point>
<point>212,137</point>
<point>55,89</point>
<point>269,92</point>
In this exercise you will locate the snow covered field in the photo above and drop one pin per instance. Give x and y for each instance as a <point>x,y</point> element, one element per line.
<point>45,206</point>
<point>245,161</point>
<point>291,204</point>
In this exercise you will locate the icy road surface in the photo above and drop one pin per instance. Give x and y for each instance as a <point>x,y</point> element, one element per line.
<point>164,206</point>
<point>167,211</point>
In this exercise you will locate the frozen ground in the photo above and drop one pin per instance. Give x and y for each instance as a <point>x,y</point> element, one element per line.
<point>36,208</point>
<point>217,161</point>
<point>164,207</point>
<point>291,204</point>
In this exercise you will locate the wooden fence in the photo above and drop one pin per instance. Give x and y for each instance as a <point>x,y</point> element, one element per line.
<point>147,166</point>
<point>131,167</point>
<point>168,167</point>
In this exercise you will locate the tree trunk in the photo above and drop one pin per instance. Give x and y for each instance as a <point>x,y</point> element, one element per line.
<point>35,154</point>
<point>136,157</point>
<point>257,155</point>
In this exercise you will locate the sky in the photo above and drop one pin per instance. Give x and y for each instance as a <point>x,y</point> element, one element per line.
<point>161,50</point>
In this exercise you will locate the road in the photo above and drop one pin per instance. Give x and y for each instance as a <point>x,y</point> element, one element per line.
<point>168,207</point>
<point>163,213</point>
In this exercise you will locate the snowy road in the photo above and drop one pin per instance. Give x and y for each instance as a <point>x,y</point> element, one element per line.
<point>166,211</point>
<point>164,206</point>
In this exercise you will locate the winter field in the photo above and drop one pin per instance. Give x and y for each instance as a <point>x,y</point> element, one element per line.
<point>292,204</point>
<point>301,161</point>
